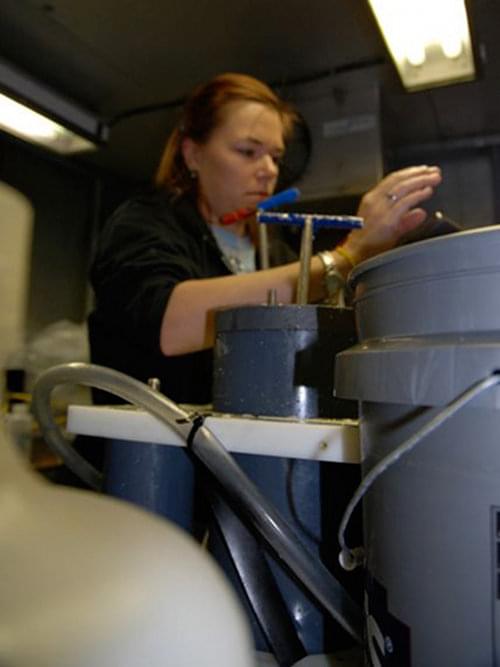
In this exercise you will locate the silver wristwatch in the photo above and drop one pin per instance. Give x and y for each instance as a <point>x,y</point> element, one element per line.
<point>333,281</point>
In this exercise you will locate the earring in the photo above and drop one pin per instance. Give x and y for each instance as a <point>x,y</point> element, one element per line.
<point>193,174</point>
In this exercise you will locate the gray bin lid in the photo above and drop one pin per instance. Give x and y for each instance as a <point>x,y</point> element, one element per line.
<point>421,371</point>
<point>446,285</point>
<point>456,252</point>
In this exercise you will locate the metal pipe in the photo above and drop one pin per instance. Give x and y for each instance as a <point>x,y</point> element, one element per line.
<point>263,247</point>
<point>305,261</point>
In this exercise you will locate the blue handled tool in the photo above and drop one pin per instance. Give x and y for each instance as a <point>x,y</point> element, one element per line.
<point>283,197</point>
<point>318,220</point>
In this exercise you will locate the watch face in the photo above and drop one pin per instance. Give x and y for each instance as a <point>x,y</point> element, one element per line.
<point>333,282</point>
<point>297,154</point>
<point>335,289</point>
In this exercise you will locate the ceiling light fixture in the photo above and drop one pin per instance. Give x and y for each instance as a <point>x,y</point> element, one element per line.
<point>429,40</point>
<point>34,113</point>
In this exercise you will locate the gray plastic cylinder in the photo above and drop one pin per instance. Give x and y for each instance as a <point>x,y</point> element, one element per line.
<point>279,360</point>
<point>428,317</point>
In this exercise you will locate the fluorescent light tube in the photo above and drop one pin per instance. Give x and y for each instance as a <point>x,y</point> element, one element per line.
<point>429,40</point>
<point>29,125</point>
<point>37,114</point>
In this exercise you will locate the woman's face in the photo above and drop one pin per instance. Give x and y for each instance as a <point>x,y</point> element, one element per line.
<point>238,165</point>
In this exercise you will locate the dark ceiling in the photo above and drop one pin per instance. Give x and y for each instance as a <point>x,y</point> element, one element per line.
<point>112,56</point>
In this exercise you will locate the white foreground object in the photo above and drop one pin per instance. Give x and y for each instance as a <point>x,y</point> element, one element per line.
<point>345,658</point>
<point>315,439</point>
<point>90,581</point>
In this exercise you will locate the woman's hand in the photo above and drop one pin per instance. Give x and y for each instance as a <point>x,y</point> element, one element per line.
<point>390,210</point>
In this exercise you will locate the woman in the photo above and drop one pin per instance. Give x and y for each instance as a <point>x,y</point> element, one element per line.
<point>165,262</point>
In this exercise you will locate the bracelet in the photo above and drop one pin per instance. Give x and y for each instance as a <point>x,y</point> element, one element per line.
<point>343,253</point>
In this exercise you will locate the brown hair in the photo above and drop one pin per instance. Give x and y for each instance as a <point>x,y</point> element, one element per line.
<point>202,114</point>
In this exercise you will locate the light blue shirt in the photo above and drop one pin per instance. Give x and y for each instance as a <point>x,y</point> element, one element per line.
<point>238,250</point>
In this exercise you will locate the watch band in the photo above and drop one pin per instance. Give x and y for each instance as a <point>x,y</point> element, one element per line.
<point>333,281</point>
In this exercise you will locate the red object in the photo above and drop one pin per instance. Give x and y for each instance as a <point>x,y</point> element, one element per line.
<point>234,216</point>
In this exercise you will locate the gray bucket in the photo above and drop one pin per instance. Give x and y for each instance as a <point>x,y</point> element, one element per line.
<point>428,320</point>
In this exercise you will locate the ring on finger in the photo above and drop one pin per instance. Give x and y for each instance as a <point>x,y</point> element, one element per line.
<point>392,197</point>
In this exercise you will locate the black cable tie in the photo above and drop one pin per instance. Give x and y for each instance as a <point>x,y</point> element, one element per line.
<point>198,422</point>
